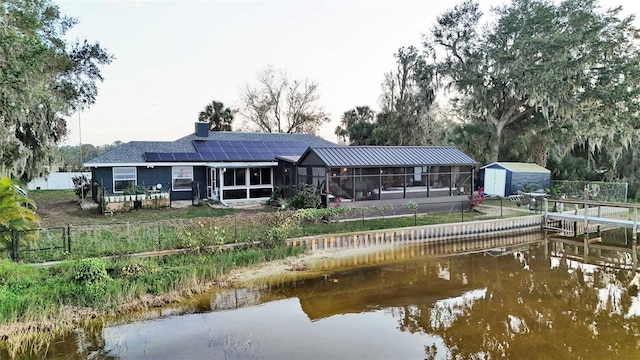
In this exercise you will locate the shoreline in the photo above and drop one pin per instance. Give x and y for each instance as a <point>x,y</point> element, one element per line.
<point>71,317</point>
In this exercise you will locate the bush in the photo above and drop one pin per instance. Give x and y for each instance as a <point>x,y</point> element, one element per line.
<point>81,185</point>
<point>90,270</point>
<point>307,198</point>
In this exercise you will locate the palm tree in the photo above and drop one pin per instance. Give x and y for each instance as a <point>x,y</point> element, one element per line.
<point>16,211</point>
<point>218,117</point>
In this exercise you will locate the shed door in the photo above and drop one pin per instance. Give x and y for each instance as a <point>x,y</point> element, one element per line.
<point>495,181</point>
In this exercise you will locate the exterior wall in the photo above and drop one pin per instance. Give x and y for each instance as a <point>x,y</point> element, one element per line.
<point>199,184</point>
<point>101,177</point>
<point>153,176</point>
<point>516,180</point>
<point>56,181</point>
<point>520,179</point>
<point>508,188</point>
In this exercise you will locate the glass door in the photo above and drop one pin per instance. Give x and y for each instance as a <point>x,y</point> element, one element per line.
<point>212,185</point>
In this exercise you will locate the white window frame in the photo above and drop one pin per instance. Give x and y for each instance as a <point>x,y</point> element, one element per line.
<point>128,173</point>
<point>181,173</point>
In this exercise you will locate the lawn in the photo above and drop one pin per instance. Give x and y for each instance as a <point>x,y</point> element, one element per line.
<point>60,207</point>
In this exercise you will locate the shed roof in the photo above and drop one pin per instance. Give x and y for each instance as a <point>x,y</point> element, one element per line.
<point>366,156</point>
<point>518,167</point>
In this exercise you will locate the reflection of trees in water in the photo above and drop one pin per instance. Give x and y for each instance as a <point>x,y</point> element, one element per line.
<point>530,310</point>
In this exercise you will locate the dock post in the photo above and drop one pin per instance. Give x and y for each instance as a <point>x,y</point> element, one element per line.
<point>585,230</point>
<point>635,225</point>
<point>598,226</point>
<point>634,239</point>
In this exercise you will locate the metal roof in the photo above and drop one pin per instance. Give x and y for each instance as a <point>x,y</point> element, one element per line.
<point>366,156</point>
<point>518,167</point>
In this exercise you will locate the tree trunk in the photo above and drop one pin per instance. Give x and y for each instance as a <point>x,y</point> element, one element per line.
<point>494,142</point>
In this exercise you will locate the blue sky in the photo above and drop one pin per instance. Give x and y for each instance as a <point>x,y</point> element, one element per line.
<point>173,57</point>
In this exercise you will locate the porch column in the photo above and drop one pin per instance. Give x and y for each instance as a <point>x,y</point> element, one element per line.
<point>221,179</point>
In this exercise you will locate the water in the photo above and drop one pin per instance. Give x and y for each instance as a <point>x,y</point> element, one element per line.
<point>541,300</point>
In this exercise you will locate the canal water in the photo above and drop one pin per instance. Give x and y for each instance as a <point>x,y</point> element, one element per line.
<point>540,299</point>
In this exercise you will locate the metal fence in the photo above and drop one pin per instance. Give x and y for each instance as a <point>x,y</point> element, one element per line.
<point>590,190</point>
<point>123,238</point>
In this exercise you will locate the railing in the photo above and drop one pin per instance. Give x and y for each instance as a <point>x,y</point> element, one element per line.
<point>589,212</point>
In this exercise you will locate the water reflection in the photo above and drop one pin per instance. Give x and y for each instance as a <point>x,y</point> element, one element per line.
<point>534,300</point>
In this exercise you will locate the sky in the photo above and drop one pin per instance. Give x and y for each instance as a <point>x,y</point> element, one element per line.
<point>172,58</point>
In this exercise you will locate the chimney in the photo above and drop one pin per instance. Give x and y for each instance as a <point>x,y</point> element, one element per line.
<point>202,129</point>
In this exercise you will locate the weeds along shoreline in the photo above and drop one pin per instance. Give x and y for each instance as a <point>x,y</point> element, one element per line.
<point>38,305</point>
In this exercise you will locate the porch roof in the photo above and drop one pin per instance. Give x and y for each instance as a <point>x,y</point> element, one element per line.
<point>389,156</point>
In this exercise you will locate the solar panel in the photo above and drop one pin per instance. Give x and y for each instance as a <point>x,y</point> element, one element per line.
<point>181,156</point>
<point>246,150</point>
<point>234,157</point>
<point>152,156</point>
<point>194,157</point>
<point>166,156</point>
<point>207,156</point>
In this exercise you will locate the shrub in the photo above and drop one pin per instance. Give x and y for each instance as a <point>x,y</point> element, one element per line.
<point>81,185</point>
<point>307,197</point>
<point>200,233</point>
<point>90,270</point>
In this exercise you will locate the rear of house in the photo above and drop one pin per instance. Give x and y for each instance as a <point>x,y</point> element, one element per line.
<point>227,167</point>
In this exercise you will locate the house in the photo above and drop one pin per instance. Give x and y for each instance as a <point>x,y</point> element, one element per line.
<point>229,167</point>
<point>507,178</point>
<point>361,173</point>
<point>236,167</point>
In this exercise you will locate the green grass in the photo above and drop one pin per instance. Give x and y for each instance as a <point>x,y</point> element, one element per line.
<point>60,207</point>
<point>115,239</point>
<point>52,196</point>
<point>43,295</point>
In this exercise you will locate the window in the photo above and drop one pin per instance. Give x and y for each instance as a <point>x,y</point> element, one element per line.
<point>260,176</point>
<point>241,178</point>
<point>235,177</point>
<point>181,178</point>
<point>123,177</point>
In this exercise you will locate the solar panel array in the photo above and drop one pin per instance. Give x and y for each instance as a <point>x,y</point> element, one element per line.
<point>225,150</point>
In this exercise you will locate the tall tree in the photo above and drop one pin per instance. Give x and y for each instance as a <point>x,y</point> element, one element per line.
<point>407,100</point>
<point>218,117</point>
<point>42,79</point>
<point>570,64</point>
<point>281,105</point>
<point>357,126</point>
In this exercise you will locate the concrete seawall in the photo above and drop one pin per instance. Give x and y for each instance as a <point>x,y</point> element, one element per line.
<point>421,234</point>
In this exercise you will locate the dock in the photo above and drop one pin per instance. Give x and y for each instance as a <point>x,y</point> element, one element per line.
<point>591,214</point>
<point>590,218</point>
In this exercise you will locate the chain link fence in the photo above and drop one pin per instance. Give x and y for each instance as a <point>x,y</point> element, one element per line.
<point>590,190</point>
